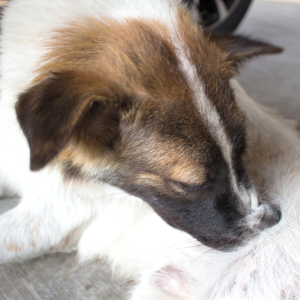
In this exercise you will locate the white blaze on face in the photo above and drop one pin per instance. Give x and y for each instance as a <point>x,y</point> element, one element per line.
<point>211,117</point>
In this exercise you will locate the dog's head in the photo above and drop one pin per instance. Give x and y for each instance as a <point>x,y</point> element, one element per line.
<point>149,108</point>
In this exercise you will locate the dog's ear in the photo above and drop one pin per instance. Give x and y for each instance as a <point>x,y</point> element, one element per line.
<point>49,111</point>
<point>240,49</point>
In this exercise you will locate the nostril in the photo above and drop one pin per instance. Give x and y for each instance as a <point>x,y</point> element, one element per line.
<point>263,217</point>
<point>271,217</point>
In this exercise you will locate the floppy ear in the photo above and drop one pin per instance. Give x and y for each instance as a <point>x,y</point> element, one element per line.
<point>49,111</point>
<point>240,49</point>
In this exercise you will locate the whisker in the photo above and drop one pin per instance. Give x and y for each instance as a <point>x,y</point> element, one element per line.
<point>179,248</point>
<point>106,195</point>
<point>202,255</point>
<point>179,244</point>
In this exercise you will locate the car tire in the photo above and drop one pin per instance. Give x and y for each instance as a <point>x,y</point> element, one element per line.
<point>227,20</point>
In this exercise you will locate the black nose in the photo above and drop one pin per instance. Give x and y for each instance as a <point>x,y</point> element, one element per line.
<point>230,238</point>
<point>271,217</point>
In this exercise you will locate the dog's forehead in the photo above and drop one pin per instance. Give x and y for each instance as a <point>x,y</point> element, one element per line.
<point>191,105</point>
<point>185,78</point>
<point>175,73</point>
<point>181,67</point>
<point>137,55</point>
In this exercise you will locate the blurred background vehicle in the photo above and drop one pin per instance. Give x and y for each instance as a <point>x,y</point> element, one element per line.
<point>220,15</point>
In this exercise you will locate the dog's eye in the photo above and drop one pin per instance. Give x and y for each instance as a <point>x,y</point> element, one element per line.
<point>187,187</point>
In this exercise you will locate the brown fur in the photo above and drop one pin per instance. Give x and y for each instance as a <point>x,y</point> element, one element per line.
<point>125,63</point>
<point>121,65</point>
<point>111,102</point>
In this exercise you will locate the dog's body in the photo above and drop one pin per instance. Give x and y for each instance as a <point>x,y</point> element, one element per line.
<point>268,267</point>
<point>90,193</point>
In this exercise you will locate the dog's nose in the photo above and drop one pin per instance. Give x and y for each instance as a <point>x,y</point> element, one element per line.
<point>271,217</point>
<point>264,216</point>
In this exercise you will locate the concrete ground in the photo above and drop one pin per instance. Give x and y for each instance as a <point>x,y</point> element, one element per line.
<point>272,80</point>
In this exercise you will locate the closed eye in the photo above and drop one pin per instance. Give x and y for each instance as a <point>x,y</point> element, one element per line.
<point>187,187</point>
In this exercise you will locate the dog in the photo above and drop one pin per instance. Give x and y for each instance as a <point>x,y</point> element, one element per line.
<point>267,267</point>
<point>122,135</point>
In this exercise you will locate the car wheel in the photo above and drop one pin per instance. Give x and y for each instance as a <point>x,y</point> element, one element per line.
<point>222,15</point>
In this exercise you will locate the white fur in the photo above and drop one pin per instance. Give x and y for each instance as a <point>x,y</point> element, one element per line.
<point>213,121</point>
<point>268,267</point>
<point>22,52</point>
<point>105,221</point>
<point>211,118</point>
<point>54,216</point>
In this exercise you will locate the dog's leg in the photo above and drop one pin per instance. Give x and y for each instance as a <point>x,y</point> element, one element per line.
<point>142,247</point>
<point>42,225</point>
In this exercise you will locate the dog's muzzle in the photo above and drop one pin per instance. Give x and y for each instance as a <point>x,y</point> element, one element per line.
<point>264,216</point>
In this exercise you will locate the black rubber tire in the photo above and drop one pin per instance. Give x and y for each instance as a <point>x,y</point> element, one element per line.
<point>235,17</point>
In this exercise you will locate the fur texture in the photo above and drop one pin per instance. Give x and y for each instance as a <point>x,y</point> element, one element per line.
<point>131,120</point>
<point>266,268</point>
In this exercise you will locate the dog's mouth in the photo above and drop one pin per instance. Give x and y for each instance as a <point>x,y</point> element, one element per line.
<point>222,221</point>
<point>263,217</point>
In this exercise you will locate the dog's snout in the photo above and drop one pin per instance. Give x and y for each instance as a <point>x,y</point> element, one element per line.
<point>271,217</point>
<point>264,216</point>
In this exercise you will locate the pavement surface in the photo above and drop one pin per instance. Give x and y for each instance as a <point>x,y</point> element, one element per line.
<point>271,80</point>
